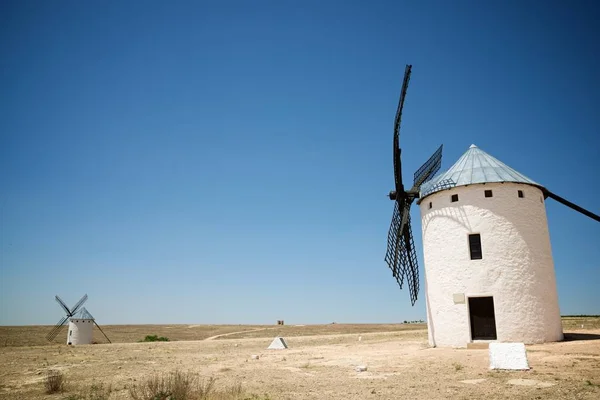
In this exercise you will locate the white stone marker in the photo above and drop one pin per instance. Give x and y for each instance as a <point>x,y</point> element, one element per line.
<point>278,344</point>
<point>508,356</point>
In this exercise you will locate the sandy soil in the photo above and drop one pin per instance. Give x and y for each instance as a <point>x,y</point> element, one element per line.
<point>400,365</point>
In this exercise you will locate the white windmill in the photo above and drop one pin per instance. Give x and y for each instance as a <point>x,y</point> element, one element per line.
<point>489,272</point>
<point>81,324</point>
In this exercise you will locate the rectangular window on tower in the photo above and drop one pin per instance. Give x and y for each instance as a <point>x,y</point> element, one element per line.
<point>475,246</point>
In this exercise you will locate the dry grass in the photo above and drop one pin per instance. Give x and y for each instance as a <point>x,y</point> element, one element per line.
<point>183,386</point>
<point>97,391</point>
<point>54,382</point>
<point>328,329</point>
<point>11,336</point>
<point>35,335</point>
<point>571,323</point>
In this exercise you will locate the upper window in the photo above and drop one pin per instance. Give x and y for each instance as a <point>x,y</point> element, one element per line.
<point>488,193</point>
<point>521,195</point>
<point>475,246</point>
<point>454,198</point>
<point>430,205</point>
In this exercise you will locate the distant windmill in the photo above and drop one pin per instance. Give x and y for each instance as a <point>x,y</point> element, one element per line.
<point>78,317</point>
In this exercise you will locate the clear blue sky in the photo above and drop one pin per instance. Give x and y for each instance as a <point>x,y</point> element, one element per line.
<point>228,162</point>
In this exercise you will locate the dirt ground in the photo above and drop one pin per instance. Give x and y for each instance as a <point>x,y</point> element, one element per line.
<point>322,366</point>
<point>35,335</point>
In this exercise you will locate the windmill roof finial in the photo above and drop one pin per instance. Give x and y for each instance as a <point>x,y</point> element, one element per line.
<point>472,146</point>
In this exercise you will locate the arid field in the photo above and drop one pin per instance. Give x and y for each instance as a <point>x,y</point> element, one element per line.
<point>319,364</point>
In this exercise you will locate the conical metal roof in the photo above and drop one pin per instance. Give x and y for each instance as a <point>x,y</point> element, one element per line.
<point>82,314</point>
<point>475,166</point>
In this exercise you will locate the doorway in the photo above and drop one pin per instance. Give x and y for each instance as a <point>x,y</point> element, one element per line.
<point>483,319</point>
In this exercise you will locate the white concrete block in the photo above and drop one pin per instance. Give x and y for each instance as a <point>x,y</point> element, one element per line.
<point>361,368</point>
<point>508,356</point>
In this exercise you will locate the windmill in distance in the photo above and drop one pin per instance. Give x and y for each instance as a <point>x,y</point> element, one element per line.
<point>76,316</point>
<point>401,255</point>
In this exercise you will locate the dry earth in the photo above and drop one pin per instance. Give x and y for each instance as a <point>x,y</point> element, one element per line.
<point>320,366</point>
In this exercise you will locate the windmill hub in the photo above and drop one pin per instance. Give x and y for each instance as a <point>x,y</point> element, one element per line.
<point>392,195</point>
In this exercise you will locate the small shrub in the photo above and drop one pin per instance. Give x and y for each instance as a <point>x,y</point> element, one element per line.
<point>55,382</point>
<point>98,392</point>
<point>457,366</point>
<point>174,386</point>
<point>185,386</point>
<point>155,338</point>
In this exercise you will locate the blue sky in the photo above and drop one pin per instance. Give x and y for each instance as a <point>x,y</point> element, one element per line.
<point>228,162</point>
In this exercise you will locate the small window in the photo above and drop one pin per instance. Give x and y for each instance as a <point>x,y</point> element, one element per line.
<point>70,332</point>
<point>454,198</point>
<point>521,195</point>
<point>488,193</point>
<point>475,246</point>
<point>430,205</point>
<point>541,199</point>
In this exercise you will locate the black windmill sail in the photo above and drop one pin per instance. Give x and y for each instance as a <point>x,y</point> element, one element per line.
<point>401,255</point>
<point>70,312</point>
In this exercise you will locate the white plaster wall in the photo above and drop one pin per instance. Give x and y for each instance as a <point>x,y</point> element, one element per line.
<point>80,331</point>
<point>517,267</point>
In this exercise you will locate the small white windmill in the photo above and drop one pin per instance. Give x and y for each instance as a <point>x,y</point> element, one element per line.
<point>81,324</point>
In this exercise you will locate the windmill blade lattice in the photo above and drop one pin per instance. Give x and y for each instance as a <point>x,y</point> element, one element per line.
<point>56,330</point>
<point>401,255</point>
<point>79,304</point>
<point>397,122</point>
<point>63,305</point>
<point>429,169</point>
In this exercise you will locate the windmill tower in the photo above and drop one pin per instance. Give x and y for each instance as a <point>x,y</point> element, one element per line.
<point>81,328</point>
<point>489,272</point>
<point>81,323</point>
